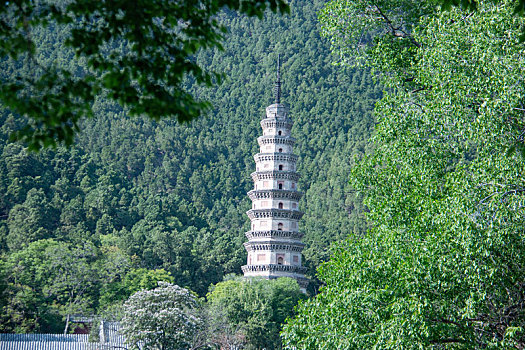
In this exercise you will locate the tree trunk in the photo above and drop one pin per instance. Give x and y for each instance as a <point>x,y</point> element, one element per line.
<point>67,324</point>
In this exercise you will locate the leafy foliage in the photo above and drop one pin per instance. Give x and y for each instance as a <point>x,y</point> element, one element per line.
<point>135,53</point>
<point>249,313</point>
<point>441,266</point>
<point>351,26</point>
<point>45,282</point>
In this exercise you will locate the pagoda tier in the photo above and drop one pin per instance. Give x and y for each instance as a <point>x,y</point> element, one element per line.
<point>275,140</point>
<point>277,175</point>
<point>275,157</point>
<point>269,123</point>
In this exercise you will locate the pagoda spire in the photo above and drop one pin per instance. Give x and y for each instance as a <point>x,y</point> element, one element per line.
<point>277,86</point>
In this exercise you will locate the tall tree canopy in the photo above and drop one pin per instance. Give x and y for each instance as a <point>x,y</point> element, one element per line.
<point>248,314</point>
<point>443,264</point>
<point>138,53</point>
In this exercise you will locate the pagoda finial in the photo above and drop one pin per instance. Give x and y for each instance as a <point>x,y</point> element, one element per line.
<point>277,86</point>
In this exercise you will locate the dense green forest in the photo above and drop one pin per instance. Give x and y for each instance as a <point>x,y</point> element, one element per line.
<point>135,200</point>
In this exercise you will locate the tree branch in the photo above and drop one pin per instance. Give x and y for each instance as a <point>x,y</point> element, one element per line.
<point>396,31</point>
<point>446,341</point>
<point>421,89</point>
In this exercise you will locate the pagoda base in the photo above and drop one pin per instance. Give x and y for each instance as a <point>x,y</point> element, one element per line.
<point>273,271</point>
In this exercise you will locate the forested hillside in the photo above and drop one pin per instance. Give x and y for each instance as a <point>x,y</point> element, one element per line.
<point>135,200</point>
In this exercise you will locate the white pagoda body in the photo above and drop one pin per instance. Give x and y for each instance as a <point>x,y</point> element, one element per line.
<point>274,242</point>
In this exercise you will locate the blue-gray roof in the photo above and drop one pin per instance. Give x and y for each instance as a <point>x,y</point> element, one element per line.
<point>113,340</point>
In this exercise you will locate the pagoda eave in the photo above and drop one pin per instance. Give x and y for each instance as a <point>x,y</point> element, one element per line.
<point>269,140</point>
<point>275,174</point>
<point>285,157</point>
<point>274,234</point>
<point>274,213</point>
<point>275,194</point>
<point>274,268</point>
<point>274,246</point>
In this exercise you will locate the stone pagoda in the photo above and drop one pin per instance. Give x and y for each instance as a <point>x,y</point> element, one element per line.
<point>274,242</point>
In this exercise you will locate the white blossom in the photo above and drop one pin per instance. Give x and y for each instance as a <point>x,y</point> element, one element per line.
<point>162,318</point>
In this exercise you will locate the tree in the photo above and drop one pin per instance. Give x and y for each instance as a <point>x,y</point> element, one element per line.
<point>163,318</point>
<point>74,279</point>
<point>48,281</point>
<point>249,313</point>
<point>139,54</point>
<point>441,266</point>
<point>30,221</point>
<point>121,288</point>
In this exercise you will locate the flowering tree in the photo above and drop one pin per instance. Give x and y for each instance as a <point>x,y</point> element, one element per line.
<point>163,318</point>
